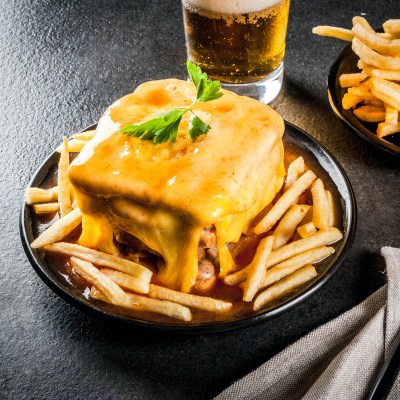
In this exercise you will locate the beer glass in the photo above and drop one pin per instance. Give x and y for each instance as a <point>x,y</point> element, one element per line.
<point>239,42</point>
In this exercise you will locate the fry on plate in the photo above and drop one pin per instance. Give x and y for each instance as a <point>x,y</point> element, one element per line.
<point>64,189</point>
<point>74,145</point>
<point>101,259</point>
<point>386,91</point>
<point>102,282</point>
<point>59,229</point>
<point>331,209</point>
<point>284,202</point>
<point>363,31</point>
<point>141,303</point>
<point>385,74</point>
<point>362,92</point>
<point>295,169</point>
<point>288,224</point>
<point>306,230</point>
<point>385,129</point>
<point>285,286</point>
<point>287,267</point>
<point>370,113</point>
<point>352,80</point>
<point>392,26</point>
<point>127,281</point>
<point>391,115</point>
<point>373,58</point>
<point>321,238</point>
<point>256,270</point>
<point>350,101</point>
<point>34,195</point>
<point>190,300</point>
<point>45,208</point>
<point>87,135</point>
<point>320,205</point>
<point>334,32</point>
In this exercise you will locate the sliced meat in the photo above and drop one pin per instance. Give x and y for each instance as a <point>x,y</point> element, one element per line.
<point>208,237</point>
<point>206,277</point>
<point>213,255</point>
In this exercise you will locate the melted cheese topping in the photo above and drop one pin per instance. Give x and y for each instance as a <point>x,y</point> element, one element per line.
<point>165,194</point>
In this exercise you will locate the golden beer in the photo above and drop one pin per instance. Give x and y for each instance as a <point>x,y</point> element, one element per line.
<point>236,47</point>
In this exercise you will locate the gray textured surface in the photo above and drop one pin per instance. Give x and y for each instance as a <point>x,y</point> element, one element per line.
<point>62,63</point>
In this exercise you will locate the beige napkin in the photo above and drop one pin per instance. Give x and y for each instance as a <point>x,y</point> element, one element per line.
<point>338,360</point>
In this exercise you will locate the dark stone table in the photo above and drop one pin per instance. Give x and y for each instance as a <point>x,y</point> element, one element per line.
<point>62,62</point>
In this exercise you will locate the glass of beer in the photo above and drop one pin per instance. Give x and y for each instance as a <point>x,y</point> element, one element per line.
<point>239,42</point>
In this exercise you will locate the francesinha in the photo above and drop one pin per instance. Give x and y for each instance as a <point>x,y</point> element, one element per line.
<point>169,195</point>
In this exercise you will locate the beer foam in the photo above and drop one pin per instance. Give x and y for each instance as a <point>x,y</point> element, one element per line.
<point>232,6</point>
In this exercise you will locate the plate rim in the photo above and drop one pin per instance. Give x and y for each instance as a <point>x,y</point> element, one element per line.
<point>335,104</point>
<point>212,327</point>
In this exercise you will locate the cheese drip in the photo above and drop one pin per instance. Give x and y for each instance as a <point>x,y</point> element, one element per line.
<point>165,194</point>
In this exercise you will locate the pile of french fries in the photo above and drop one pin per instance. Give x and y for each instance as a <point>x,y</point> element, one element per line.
<point>281,264</point>
<point>374,92</point>
<point>295,236</point>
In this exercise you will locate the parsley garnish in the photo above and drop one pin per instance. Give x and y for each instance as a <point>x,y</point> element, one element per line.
<point>164,127</point>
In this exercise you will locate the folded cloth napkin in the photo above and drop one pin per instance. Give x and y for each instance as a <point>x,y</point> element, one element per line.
<point>338,360</point>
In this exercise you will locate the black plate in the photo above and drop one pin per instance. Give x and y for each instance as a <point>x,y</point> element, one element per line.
<point>293,137</point>
<point>346,63</point>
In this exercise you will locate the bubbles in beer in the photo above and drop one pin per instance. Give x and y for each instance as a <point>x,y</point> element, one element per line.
<point>231,10</point>
<point>236,40</point>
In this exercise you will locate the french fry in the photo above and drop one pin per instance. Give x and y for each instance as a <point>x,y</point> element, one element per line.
<point>59,229</point>
<point>46,208</point>
<point>321,238</point>
<point>284,286</point>
<point>385,129</point>
<point>370,113</point>
<point>391,115</point>
<point>284,202</point>
<point>189,300</point>
<point>306,230</point>
<point>373,58</point>
<point>320,205</point>
<point>64,190</point>
<point>87,135</point>
<point>386,91</point>
<point>392,26</point>
<point>256,270</point>
<point>288,224</point>
<point>334,32</point>
<point>141,303</point>
<point>351,80</point>
<point>331,209</point>
<point>101,259</point>
<point>388,35</point>
<point>74,145</point>
<point>295,170</point>
<point>350,101</point>
<point>127,281</point>
<point>34,195</point>
<point>386,74</point>
<point>363,92</point>
<point>366,68</point>
<point>376,103</point>
<point>293,264</point>
<point>114,293</point>
<point>363,31</point>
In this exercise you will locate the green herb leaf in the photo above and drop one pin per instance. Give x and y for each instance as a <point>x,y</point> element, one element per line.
<point>197,127</point>
<point>195,73</point>
<point>144,131</point>
<point>210,92</point>
<point>169,130</point>
<point>207,89</point>
<point>164,127</point>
